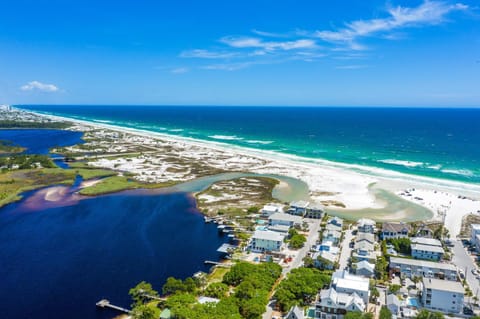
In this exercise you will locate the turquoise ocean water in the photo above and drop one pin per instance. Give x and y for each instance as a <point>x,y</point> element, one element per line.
<point>433,142</point>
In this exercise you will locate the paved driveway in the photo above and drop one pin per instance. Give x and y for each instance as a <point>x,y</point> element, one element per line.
<point>465,262</point>
<point>346,251</point>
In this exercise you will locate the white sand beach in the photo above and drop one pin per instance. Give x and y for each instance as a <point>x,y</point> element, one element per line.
<point>327,181</point>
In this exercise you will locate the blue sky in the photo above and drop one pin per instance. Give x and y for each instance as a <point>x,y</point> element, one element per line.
<point>329,52</point>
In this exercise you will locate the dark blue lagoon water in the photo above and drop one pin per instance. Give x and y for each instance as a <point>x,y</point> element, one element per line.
<point>58,262</point>
<point>443,143</point>
<point>39,141</point>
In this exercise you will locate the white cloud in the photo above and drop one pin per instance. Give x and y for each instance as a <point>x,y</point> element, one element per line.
<point>206,54</point>
<point>428,13</point>
<point>249,42</point>
<point>352,67</point>
<point>181,70</point>
<point>36,85</point>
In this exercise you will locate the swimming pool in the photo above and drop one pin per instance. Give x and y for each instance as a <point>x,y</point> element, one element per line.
<point>412,302</point>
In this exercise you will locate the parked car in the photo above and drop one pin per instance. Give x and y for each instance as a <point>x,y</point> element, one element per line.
<point>467,311</point>
<point>474,271</point>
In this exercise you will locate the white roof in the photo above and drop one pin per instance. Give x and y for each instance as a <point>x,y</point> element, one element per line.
<point>443,285</point>
<point>365,221</point>
<point>475,226</point>
<point>204,299</point>
<point>268,235</point>
<point>343,279</point>
<point>273,207</point>
<point>279,228</point>
<point>365,264</point>
<point>422,263</point>
<point>285,217</point>
<point>300,204</point>
<point>433,249</point>
<point>426,241</point>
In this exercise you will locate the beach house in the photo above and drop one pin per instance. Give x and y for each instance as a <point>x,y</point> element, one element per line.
<point>284,219</point>
<point>333,304</point>
<point>475,236</point>
<point>347,283</point>
<point>364,268</point>
<point>315,211</point>
<point>366,225</point>
<point>266,240</point>
<point>271,209</point>
<point>422,268</point>
<point>442,295</point>
<point>298,208</point>
<point>395,230</point>
<point>426,248</point>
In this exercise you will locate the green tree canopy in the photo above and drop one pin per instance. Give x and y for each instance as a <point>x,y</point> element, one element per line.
<point>140,292</point>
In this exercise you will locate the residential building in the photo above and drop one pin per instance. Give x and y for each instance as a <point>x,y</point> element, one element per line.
<point>422,268</point>
<point>442,295</point>
<point>342,281</point>
<point>271,209</point>
<point>295,313</point>
<point>324,260</point>
<point>393,304</point>
<point>366,225</point>
<point>298,208</point>
<point>369,256</point>
<point>364,268</point>
<point>475,236</point>
<point>333,304</point>
<point>427,248</point>
<point>424,231</point>
<point>315,211</point>
<point>395,230</point>
<point>334,223</point>
<point>367,237</point>
<point>332,235</point>
<point>280,228</point>
<point>266,240</point>
<point>284,219</point>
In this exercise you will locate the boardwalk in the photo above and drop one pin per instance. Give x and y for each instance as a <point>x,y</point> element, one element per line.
<point>104,303</point>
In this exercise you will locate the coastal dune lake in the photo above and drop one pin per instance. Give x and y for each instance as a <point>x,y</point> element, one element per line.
<point>58,262</point>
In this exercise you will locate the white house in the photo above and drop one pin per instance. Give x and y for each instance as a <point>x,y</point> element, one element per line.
<point>272,208</point>
<point>332,235</point>
<point>427,248</point>
<point>393,304</point>
<point>298,208</point>
<point>364,268</point>
<point>324,260</point>
<point>284,219</point>
<point>334,305</point>
<point>315,210</point>
<point>367,237</point>
<point>266,240</point>
<point>395,230</point>
<point>423,268</point>
<point>474,239</point>
<point>295,313</point>
<point>442,295</point>
<point>366,225</point>
<point>342,281</point>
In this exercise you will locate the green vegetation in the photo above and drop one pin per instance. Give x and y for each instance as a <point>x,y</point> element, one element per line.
<point>401,245</point>
<point>114,184</point>
<point>300,287</point>
<point>25,161</point>
<point>7,147</point>
<point>296,240</point>
<point>22,124</point>
<point>381,268</point>
<point>173,286</point>
<point>358,315</point>
<point>394,288</point>
<point>385,313</point>
<point>142,307</point>
<point>425,314</point>
<point>216,290</point>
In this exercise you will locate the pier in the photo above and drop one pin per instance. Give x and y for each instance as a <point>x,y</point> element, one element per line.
<point>104,303</point>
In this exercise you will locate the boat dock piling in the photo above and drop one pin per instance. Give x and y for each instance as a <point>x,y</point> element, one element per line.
<point>104,303</point>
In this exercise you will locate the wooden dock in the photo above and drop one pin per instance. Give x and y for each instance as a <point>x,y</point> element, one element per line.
<point>104,303</point>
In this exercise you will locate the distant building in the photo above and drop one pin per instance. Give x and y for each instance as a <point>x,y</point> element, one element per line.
<point>332,235</point>
<point>395,230</point>
<point>333,304</point>
<point>393,304</point>
<point>427,248</point>
<point>284,219</point>
<point>315,211</point>
<point>365,237</point>
<point>295,313</point>
<point>422,268</point>
<point>366,225</point>
<point>334,223</point>
<point>266,240</point>
<point>342,281</point>
<point>364,268</point>
<point>424,231</point>
<point>442,295</point>
<point>324,260</point>
<point>298,208</point>
<point>270,209</point>
<point>475,236</point>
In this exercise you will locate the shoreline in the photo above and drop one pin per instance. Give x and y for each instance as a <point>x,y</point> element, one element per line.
<point>346,183</point>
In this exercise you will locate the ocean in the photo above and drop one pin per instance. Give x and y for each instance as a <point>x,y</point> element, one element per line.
<point>433,142</point>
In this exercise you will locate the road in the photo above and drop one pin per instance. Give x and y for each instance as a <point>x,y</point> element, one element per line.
<point>465,262</point>
<point>346,251</point>
<point>314,227</point>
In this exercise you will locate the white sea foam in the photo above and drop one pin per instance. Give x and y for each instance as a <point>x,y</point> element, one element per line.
<point>259,142</point>
<point>401,163</point>
<point>226,137</point>
<point>462,172</point>
<point>176,130</point>
<point>103,121</point>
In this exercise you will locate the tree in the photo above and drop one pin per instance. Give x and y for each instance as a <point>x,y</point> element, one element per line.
<point>374,294</point>
<point>297,241</point>
<point>385,313</point>
<point>308,261</point>
<point>425,314</point>
<point>358,315</point>
<point>394,288</point>
<point>144,312</point>
<point>174,285</point>
<point>216,290</point>
<point>140,292</point>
